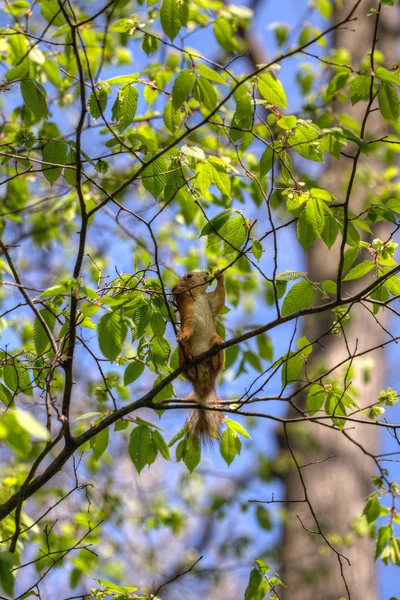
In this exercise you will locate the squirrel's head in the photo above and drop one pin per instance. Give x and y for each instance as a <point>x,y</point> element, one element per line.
<point>195,283</point>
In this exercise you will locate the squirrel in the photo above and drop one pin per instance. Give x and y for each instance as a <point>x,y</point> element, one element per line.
<point>198,311</point>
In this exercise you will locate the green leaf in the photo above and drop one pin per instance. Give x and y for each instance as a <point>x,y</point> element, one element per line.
<point>40,338</point>
<point>217,222</point>
<point>100,443</point>
<point>372,509</point>
<point>32,425</point>
<point>125,107</point>
<point>191,454</point>
<point>193,151</point>
<point>330,231</point>
<point>234,234</point>
<point>34,96</point>
<point>349,257</point>
<point>360,88</point>
<point>299,296</point>
<point>221,179</point>
<point>132,372</point>
<point>19,71</point>
<point>111,331</point>
<point>315,399</point>
<point>183,85</point>
<point>304,231</point>
<point>170,18</point>
<point>257,249</point>
<point>97,98</point>
<point>116,588</point>
<point>125,25</point>
<point>142,449</point>
<point>172,117</point>
<point>237,427</point>
<point>158,325</point>
<point>150,94</point>
<point>315,214</point>
<point>54,152</point>
<point>337,83</point>
<point>161,444</point>
<point>292,367</point>
<point>228,447</point>
<point>208,94</point>
<point>384,535</point>
<point>306,142</point>
<point>387,76</point>
<point>359,270</point>
<point>161,350</point>
<point>287,122</point>
<point>263,517</point>
<point>268,157</point>
<point>265,347</point>
<point>204,178</point>
<point>289,275</point>
<point>49,10</point>
<point>272,90</point>
<point>154,177</point>
<point>257,588</point>
<point>210,74</point>
<point>224,35</point>
<point>388,102</point>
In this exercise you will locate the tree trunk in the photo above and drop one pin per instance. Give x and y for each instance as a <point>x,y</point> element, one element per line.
<point>336,488</point>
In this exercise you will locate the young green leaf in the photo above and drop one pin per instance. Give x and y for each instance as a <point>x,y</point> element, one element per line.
<point>359,270</point>
<point>111,331</point>
<point>34,96</point>
<point>40,338</point>
<point>170,18</point>
<point>272,90</point>
<point>54,152</point>
<point>182,87</point>
<point>388,102</point>
<point>228,446</point>
<point>132,372</point>
<point>299,296</point>
<point>142,449</point>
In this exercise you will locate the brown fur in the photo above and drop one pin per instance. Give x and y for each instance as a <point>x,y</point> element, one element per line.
<point>198,311</point>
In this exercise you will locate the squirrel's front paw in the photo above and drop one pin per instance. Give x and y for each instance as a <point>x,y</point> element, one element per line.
<point>219,276</point>
<point>181,337</point>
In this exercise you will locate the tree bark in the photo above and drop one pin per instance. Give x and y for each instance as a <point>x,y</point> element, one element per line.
<point>337,488</point>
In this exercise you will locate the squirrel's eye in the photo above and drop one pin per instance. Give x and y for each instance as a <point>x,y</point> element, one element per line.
<point>189,276</point>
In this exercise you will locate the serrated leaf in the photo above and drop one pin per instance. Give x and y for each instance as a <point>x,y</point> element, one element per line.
<point>193,151</point>
<point>96,99</point>
<point>228,447</point>
<point>372,509</point>
<point>172,117</point>
<point>315,399</point>
<point>292,367</point>
<point>234,234</point>
<point>388,102</point>
<point>221,179</point>
<point>34,96</point>
<point>359,270</point>
<point>154,177</point>
<point>170,18</point>
<point>360,88</point>
<point>268,157</point>
<point>161,350</point>
<point>387,76</point>
<point>191,454</point>
<point>100,443</point>
<point>39,335</point>
<point>384,535</point>
<point>150,94</point>
<point>289,275</point>
<point>182,87</point>
<point>257,587</point>
<point>315,215</point>
<point>299,296</point>
<point>142,449</point>
<point>54,152</point>
<point>210,74</point>
<point>204,178</point>
<point>257,249</point>
<point>349,257</point>
<point>330,231</point>
<point>125,109</point>
<point>306,142</point>
<point>161,444</point>
<point>304,231</point>
<point>19,71</point>
<point>224,35</point>
<point>237,427</point>
<point>111,331</point>
<point>337,83</point>
<point>132,372</point>
<point>208,93</point>
<point>272,90</point>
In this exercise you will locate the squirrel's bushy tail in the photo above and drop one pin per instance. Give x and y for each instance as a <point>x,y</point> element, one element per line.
<point>204,425</point>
